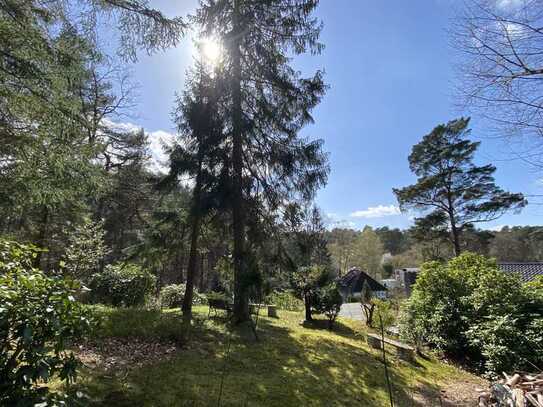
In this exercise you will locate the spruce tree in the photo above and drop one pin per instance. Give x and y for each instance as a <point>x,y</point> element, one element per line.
<point>199,153</point>
<point>269,104</point>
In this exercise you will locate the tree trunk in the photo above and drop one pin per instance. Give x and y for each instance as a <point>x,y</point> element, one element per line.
<point>455,234</point>
<point>192,269</point>
<point>241,302</point>
<point>368,310</point>
<point>42,237</point>
<point>307,303</point>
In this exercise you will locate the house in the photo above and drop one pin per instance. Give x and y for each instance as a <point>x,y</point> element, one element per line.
<point>390,283</point>
<point>406,277</point>
<point>350,285</point>
<point>526,271</point>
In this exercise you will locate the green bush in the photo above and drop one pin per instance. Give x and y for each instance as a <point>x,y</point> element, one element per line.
<point>384,312</point>
<point>121,284</point>
<point>217,296</point>
<point>138,323</point>
<point>328,302</point>
<point>469,309</point>
<point>39,317</point>
<point>172,296</point>
<point>285,300</point>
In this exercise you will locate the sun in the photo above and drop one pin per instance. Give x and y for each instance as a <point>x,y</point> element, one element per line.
<point>211,50</point>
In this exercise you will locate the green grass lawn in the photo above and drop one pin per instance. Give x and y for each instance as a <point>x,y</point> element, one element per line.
<point>290,365</point>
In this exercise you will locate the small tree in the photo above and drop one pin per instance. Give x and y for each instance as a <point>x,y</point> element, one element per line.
<point>328,302</point>
<point>368,252</point>
<point>307,282</point>
<point>450,186</point>
<point>367,304</point>
<point>86,249</point>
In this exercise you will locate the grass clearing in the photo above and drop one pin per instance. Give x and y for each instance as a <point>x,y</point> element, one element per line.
<point>291,365</point>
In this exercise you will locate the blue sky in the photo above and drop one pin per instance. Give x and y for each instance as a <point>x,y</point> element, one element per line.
<point>389,67</point>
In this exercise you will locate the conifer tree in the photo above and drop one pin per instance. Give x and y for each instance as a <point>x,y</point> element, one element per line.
<point>199,154</point>
<point>451,186</point>
<point>269,104</point>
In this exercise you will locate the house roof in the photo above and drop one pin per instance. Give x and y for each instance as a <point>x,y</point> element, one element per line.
<point>411,269</point>
<point>354,280</point>
<point>526,271</point>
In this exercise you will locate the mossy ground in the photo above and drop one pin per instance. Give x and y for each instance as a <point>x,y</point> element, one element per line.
<point>290,365</point>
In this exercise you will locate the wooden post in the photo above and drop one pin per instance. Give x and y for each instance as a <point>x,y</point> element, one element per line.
<point>272,311</point>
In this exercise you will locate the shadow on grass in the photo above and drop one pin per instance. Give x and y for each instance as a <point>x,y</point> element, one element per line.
<point>339,328</point>
<point>289,366</point>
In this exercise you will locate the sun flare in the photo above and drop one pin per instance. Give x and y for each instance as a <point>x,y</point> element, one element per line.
<point>211,50</point>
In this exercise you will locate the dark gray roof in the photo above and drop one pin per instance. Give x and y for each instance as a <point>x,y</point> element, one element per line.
<point>526,271</point>
<point>354,280</point>
<point>411,269</point>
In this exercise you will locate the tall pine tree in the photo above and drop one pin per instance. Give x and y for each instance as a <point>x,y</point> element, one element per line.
<point>451,186</point>
<point>269,104</point>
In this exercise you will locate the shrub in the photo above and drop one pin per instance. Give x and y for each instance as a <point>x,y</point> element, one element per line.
<point>138,323</point>
<point>307,281</point>
<point>38,319</point>
<point>285,300</point>
<point>217,296</point>
<point>172,296</point>
<point>468,308</point>
<point>121,284</point>
<point>328,302</point>
<point>384,312</point>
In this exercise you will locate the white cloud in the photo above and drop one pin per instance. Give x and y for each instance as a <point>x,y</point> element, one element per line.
<point>157,141</point>
<point>121,126</point>
<point>508,4</point>
<point>496,228</point>
<point>333,220</point>
<point>379,211</point>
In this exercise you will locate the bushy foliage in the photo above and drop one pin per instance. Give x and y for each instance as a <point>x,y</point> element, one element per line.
<point>217,296</point>
<point>86,248</point>
<point>122,284</point>
<point>39,317</point>
<point>306,283</point>
<point>367,303</point>
<point>285,300</point>
<point>225,272</point>
<point>384,312</point>
<point>172,296</point>
<point>328,302</point>
<point>469,309</point>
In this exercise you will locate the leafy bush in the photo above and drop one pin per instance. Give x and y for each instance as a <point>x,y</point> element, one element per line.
<point>328,302</point>
<point>121,284</point>
<point>469,309</point>
<point>307,281</point>
<point>172,296</point>
<point>138,323</point>
<point>285,300</point>
<point>384,312</point>
<point>217,296</point>
<point>38,318</point>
